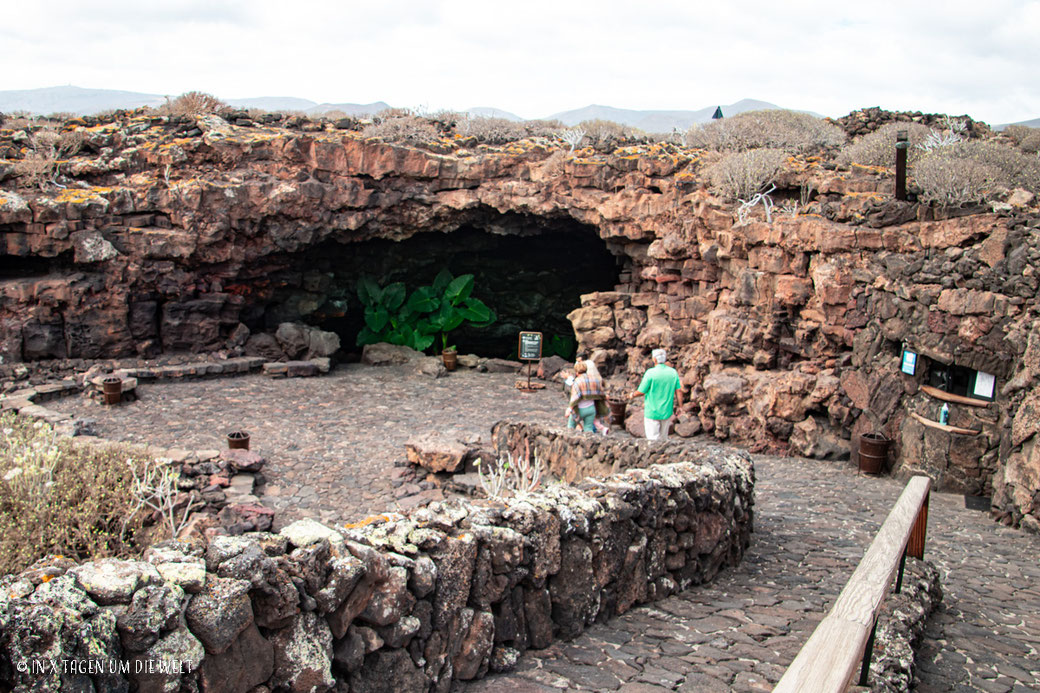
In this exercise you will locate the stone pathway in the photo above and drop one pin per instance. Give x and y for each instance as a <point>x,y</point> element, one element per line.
<point>813,523</point>
<point>332,442</point>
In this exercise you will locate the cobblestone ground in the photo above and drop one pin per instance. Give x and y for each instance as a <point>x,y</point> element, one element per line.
<point>331,443</point>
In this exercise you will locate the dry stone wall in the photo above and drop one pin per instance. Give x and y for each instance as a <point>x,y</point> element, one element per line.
<point>395,603</point>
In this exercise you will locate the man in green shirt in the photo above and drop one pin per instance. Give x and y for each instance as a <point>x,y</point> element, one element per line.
<point>662,393</point>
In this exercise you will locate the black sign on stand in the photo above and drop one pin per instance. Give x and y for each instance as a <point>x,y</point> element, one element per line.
<point>529,349</point>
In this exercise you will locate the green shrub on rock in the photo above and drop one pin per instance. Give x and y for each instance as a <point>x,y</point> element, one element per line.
<point>56,498</point>
<point>775,128</point>
<point>743,174</point>
<point>879,147</point>
<point>973,170</point>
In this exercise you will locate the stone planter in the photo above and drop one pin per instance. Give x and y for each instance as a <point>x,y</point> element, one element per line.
<point>873,453</point>
<point>451,359</point>
<point>112,388</point>
<point>617,412</point>
<point>238,440</point>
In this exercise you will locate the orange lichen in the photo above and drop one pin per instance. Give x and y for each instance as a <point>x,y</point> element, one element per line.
<point>367,521</point>
<point>80,195</point>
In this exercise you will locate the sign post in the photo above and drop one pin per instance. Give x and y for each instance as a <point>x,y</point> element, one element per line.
<point>529,349</point>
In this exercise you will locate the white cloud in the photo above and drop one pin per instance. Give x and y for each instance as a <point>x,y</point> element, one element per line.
<point>543,56</point>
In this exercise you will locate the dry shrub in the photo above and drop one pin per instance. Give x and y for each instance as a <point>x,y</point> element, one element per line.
<point>774,128</point>
<point>1030,144</point>
<point>38,165</point>
<point>35,169</point>
<point>71,142</point>
<point>952,181</point>
<point>194,103</point>
<point>490,130</point>
<point>1012,168</point>
<point>1018,133</point>
<point>879,147</point>
<point>741,175</point>
<point>606,134</point>
<point>388,113</point>
<point>408,128</point>
<point>56,498</point>
<point>542,128</point>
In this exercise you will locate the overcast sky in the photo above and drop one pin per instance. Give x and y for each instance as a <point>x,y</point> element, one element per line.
<point>538,57</point>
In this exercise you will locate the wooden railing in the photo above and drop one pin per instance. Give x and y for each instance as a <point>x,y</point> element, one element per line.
<point>844,640</point>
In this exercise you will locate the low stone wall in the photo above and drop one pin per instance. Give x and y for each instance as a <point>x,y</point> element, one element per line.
<point>397,603</point>
<point>901,625</point>
<point>571,455</point>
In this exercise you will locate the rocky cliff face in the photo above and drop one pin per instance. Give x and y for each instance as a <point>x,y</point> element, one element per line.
<point>787,331</point>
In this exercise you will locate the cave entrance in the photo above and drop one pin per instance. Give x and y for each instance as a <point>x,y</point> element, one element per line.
<point>532,275</point>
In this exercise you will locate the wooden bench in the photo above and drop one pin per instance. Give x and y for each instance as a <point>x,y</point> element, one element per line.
<point>844,640</point>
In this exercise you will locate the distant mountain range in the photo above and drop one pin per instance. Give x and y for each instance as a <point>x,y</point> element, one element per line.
<point>88,101</point>
<point>1034,123</point>
<point>82,101</point>
<point>658,121</point>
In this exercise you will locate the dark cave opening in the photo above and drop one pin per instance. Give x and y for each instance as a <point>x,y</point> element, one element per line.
<point>29,266</point>
<point>531,274</point>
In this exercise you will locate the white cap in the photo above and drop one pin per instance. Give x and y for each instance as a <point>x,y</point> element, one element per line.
<point>660,356</point>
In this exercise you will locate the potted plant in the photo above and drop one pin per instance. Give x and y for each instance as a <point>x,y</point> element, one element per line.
<point>455,307</point>
<point>449,355</point>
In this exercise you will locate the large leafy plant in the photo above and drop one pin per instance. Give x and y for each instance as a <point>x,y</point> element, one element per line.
<point>413,320</point>
<point>456,306</point>
<point>392,316</point>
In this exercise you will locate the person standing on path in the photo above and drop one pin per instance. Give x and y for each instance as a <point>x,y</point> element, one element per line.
<point>662,393</point>
<point>584,393</point>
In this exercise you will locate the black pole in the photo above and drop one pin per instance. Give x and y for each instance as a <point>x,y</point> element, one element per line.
<point>868,654</point>
<point>902,565</point>
<point>901,146</point>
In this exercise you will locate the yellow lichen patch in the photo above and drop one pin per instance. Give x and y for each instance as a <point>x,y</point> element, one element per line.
<point>870,169</point>
<point>80,195</point>
<point>367,521</point>
<point>876,196</point>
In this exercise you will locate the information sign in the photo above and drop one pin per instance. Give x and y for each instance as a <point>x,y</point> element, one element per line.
<point>985,383</point>
<point>530,348</point>
<point>909,362</point>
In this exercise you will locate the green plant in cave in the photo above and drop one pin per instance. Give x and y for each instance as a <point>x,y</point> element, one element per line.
<point>413,320</point>
<point>455,306</point>
<point>561,345</point>
<point>394,317</point>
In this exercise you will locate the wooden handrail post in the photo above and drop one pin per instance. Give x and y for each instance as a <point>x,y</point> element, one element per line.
<point>915,545</point>
<point>843,641</point>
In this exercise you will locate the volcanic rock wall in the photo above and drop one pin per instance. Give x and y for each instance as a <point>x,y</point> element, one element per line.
<point>787,332</point>
<point>392,604</point>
